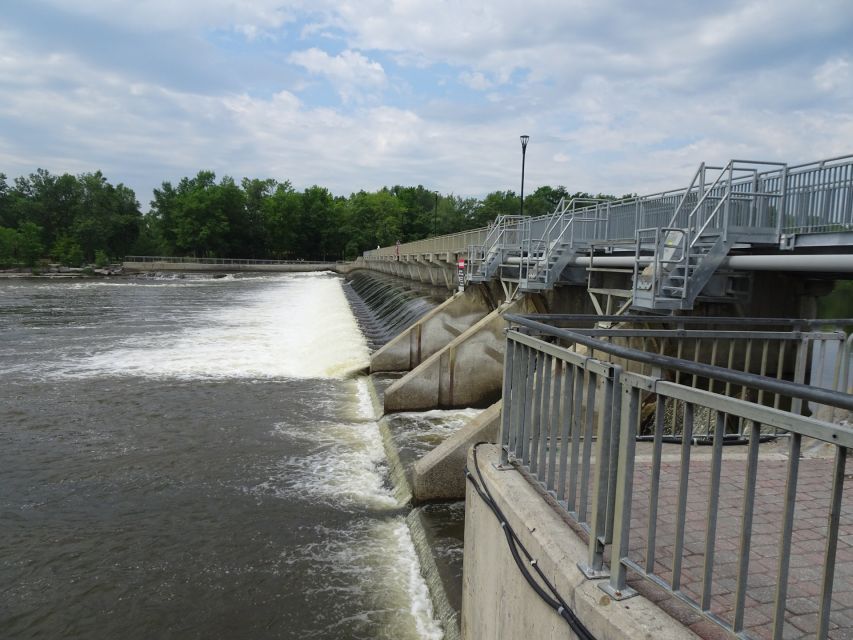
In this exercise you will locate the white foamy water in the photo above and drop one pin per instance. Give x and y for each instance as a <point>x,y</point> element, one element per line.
<point>347,469</point>
<point>348,466</point>
<point>421,607</point>
<point>383,571</point>
<point>301,328</point>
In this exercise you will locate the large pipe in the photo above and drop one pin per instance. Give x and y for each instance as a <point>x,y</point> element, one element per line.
<point>841,262</point>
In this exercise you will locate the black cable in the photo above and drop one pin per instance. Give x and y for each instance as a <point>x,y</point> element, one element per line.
<point>552,599</point>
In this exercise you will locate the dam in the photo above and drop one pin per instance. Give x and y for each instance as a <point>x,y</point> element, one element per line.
<point>675,421</point>
<point>669,420</point>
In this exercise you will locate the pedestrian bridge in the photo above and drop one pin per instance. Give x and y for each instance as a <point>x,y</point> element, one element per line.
<point>659,252</point>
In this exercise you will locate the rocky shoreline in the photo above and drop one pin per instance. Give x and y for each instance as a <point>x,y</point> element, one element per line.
<point>61,271</point>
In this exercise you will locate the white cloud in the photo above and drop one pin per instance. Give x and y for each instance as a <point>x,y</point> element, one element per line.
<point>475,80</point>
<point>352,74</point>
<point>834,74</point>
<point>246,16</point>
<point>617,97</point>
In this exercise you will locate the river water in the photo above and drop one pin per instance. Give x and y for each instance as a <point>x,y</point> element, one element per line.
<point>196,458</point>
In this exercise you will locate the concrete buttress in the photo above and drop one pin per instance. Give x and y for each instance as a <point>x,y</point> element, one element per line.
<point>440,474</point>
<point>467,372</point>
<point>432,332</point>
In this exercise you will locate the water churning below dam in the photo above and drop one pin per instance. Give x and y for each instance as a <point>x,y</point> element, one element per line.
<point>202,458</point>
<point>384,306</point>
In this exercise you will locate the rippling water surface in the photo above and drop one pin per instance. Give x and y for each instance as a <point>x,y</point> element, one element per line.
<point>195,458</point>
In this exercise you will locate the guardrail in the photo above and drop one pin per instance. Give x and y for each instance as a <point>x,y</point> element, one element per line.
<point>807,198</point>
<point>571,419</point>
<point>224,261</point>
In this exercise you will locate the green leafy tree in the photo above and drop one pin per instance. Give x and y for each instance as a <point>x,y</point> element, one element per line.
<point>282,212</point>
<point>315,228</point>
<point>8,246</point>
<point>67,251</point>
<point>30,247</point>
<point>497,203</point>
<point>193,217</point>
<point>544,200</point>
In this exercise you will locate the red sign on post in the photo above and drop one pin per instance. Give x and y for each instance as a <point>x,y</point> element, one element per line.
<point>460,272</point>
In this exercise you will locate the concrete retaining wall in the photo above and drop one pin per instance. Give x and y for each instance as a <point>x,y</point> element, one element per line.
<point>497,603</point>
<point>197,267</point>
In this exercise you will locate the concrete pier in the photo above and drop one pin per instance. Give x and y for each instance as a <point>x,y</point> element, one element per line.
<point>467,372</point>
<point>433,332</point>
<point>440,474</point>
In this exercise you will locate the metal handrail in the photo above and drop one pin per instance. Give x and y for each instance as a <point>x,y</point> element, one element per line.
<point>226,261</point>
<point>794,323</point>
<point>791,185</point>
<point>563,217</point>
<point>571,420</point>
<point>782,387</point>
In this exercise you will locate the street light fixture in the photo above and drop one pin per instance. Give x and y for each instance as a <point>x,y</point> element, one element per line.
<point>524,140</point>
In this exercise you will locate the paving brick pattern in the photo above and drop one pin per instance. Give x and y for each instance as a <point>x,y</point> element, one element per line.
<point>806,554</point>
<point>807,548</point>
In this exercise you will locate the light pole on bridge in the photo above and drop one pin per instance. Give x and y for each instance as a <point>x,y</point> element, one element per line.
<point>524,140</point>
<point>435,216</point>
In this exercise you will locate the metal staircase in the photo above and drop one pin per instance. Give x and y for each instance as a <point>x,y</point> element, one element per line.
<point>547,256</point>
<point>675,263</point>
<point>502,242</point>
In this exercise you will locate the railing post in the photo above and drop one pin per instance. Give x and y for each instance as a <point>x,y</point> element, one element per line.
<point>617,587</point>
<point>699,202</point>
<point>753,207</point>
<point>506,405</point>
<point>600,524</point>
<point>800,373</point>
<point>783,202</point>
<point>728,196</point>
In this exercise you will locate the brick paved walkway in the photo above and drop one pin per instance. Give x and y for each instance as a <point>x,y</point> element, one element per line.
<point>807,550</point>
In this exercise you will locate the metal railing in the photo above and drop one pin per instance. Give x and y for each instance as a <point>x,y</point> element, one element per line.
<point>746,202</point>
<point>550,395</point>
<point>223,261</point>
<point>455,243</point>
<point>571,419</point>
<point>504,236</point>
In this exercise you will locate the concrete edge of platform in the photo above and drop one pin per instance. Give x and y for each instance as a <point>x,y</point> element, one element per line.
<point>498,603</point>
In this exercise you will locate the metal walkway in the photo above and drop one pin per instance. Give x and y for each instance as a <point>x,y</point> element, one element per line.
<point>672,243</point>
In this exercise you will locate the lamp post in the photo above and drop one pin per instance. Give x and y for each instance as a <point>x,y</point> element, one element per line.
<point>524,140</point>
<point>435,216</point>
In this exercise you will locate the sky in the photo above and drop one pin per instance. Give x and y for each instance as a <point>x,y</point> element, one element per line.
<point>617,97</point>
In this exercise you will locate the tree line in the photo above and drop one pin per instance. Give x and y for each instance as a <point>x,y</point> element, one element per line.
<point>85,219</point>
